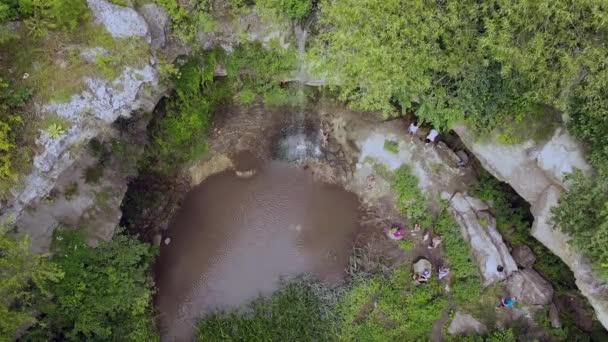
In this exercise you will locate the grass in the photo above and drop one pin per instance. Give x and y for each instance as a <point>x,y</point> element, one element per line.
<point>410,200</point>
<point>391,146</point>
<point>403,311</point>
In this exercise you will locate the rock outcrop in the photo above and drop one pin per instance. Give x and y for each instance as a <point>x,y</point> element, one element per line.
<point>536,172</point>
<point>158,24</point>
<point>464,324</point>
<point>478,228</point>
<point>528,286</point>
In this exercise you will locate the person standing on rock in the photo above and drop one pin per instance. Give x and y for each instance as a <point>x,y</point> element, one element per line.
<point>413,129</point>
<point>432,136</point>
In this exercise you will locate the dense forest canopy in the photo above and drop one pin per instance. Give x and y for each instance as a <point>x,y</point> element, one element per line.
<point>509,69</point>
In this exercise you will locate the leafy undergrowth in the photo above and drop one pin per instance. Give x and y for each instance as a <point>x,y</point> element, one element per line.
<point>293,313</point>
<point>402,310</point>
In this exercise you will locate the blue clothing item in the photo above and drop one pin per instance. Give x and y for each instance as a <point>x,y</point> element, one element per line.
<point>509,302</point>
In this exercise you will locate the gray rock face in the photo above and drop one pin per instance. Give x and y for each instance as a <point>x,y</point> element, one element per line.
<point>118,20</point>
<point>528,286</point>
<point>560,156</point>
<point>536,171</point>
<point>524,256</point>
<point>464,324</point>
<point>158,23</point>
<point>106,100</point>
<point>478,228</point>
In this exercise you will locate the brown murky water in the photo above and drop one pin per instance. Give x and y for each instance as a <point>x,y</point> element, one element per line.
<point>235,238</point>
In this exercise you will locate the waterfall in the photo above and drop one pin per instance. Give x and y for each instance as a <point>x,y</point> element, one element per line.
<point>301,136</point>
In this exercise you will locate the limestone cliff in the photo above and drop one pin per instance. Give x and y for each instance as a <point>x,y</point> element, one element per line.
<point>536,172</point>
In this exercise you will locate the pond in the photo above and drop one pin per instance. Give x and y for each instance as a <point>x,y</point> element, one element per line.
<point>236,238</point>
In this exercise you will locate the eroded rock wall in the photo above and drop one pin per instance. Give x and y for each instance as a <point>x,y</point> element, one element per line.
<point>536,172</point>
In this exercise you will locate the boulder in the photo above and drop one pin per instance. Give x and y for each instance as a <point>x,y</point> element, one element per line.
<point>421,265</point>
<point>524,256</point>
<point>528,286</point>
<point>556,323</point>
<point>118,20</point>
<point>464,324</point>
<point>478,228</point>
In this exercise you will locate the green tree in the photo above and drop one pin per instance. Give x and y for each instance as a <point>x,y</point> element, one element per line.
<point>105,294</point>
<point>180,135</point>
<point>486,62</point>
<point>25,280</point>
<point>582,213</point>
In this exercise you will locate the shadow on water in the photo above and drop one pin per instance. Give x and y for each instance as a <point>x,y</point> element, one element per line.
<point>236,237</point>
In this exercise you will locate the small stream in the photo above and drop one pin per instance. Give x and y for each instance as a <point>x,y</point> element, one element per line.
<point>237,238</point>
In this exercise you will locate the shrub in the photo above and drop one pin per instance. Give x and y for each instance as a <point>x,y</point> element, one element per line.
<point>55,130</point>
<point>13,155</point>
<point>105,294</point>
<point>293,313</point>
<point>403,311</point>
<point>43,14</point>
<point>505,335</point>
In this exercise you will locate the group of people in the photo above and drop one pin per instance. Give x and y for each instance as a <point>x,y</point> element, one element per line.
<point>430,138</point>
<point>398,233</point>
